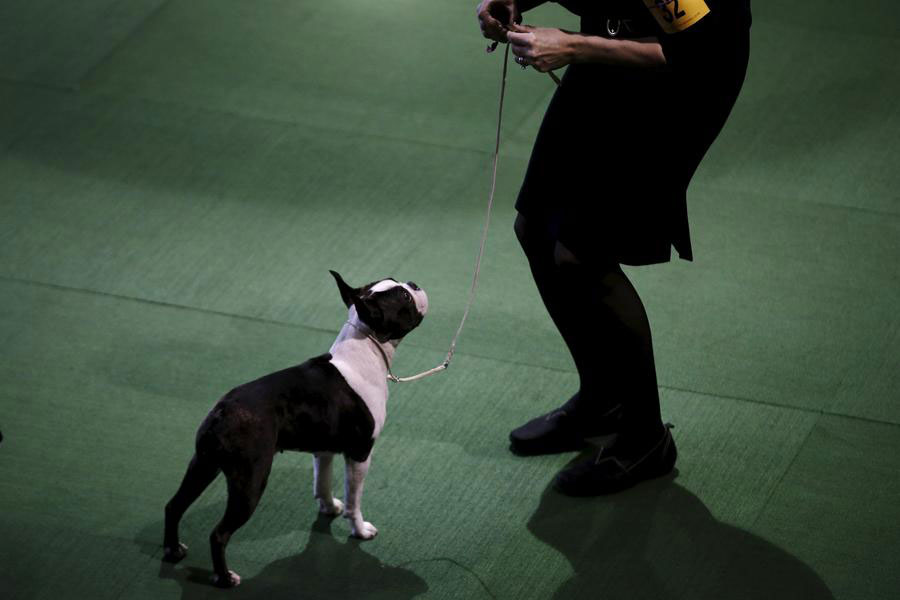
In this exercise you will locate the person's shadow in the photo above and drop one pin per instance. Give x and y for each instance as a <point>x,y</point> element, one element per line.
<point>326,568</point>
<point>659,541</point>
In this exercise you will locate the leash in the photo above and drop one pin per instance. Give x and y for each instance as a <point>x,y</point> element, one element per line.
<point>487,223</point>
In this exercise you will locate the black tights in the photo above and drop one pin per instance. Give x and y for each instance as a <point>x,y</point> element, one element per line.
<point>603,322</point>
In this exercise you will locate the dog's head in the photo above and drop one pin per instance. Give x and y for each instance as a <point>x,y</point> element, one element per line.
<point>389,308</point>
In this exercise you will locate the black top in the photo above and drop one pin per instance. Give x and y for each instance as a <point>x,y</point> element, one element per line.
<point>633,19</point>
<point>618,146</point>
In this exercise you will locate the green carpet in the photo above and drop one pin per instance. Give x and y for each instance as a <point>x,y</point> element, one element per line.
<point>55,45</point>
<point>178,177</point>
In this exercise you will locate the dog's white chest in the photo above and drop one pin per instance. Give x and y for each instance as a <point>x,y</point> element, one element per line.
<point>366,379</point>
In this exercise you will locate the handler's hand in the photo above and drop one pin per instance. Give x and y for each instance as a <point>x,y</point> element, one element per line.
<point>543,48</point>
<point>495,17</point>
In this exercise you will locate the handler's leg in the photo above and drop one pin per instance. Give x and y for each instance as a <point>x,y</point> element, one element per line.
<point>590,411</point>
<point>618,323</point>
<point>538,247</point>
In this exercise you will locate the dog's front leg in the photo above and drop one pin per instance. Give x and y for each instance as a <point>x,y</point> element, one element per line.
<point>328,504</point>
<point>354,477</point>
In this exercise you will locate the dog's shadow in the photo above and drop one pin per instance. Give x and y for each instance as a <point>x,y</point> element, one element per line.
<point>659,541</point>
<point>325,568</point>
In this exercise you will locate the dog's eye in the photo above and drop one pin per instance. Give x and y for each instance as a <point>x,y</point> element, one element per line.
<point>407,295</point>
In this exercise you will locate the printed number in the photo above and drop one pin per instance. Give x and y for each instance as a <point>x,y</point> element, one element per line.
<point>670,15</point>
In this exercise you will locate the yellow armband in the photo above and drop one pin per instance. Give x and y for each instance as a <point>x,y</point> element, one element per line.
<point>677,15</point>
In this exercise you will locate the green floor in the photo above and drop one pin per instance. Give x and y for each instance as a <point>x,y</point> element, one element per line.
<point>176,179</point>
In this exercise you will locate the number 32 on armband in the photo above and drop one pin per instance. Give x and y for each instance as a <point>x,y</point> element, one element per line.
<point>677,15</point>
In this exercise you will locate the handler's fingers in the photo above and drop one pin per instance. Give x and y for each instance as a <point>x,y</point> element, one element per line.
<point>519,28</point>
<point>521,56</point>
<point>521,61</point>
<point>491,28</point>
<point>522,40</point>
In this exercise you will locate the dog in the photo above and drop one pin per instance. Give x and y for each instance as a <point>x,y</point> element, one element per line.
<point>333,403</point>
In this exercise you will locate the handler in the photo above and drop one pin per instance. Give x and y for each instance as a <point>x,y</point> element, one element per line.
<point>648,88</point>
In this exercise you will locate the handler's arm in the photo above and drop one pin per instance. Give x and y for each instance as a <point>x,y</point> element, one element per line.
<point>547,48</point>
<point>643,52</point>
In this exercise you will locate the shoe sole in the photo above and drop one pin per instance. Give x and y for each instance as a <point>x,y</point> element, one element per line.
<point>622,485</point>
<point>666,467</point>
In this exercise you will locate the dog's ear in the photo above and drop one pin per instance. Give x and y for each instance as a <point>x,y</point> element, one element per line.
<point>348,294</point>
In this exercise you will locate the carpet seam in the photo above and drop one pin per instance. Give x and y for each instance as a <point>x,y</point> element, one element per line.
<point>784,474</point>
<point>89,72</point>
<point>263,320</point>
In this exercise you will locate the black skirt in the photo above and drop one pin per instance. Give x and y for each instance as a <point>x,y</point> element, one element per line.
<point>618,146</point>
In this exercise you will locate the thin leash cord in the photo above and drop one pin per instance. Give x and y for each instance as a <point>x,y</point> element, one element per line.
<point>484,235</point>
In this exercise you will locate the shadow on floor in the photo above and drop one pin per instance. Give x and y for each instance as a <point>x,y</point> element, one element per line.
<point>659,541</point>
<point>326,568</point>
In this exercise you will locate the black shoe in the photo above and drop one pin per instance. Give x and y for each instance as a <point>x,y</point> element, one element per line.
<point>561,430</point>
<point>609,472</point>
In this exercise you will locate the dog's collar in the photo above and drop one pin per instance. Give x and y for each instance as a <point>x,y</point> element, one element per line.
<point>368,333</point>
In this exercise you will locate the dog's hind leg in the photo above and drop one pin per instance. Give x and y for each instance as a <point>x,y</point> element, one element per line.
<point>200,473</point>
<point>328,504</point>
<point>246,484</point>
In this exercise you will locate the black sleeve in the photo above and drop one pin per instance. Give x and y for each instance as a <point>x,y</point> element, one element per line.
<point>699,43</point>
<point>683,48</point>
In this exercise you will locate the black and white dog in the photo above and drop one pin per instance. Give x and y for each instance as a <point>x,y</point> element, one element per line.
<point>333,403</point>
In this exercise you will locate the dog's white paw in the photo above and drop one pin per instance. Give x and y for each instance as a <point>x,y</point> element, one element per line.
<point>365,531</point>
<point>232,580</point>
<point>335,508</point>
